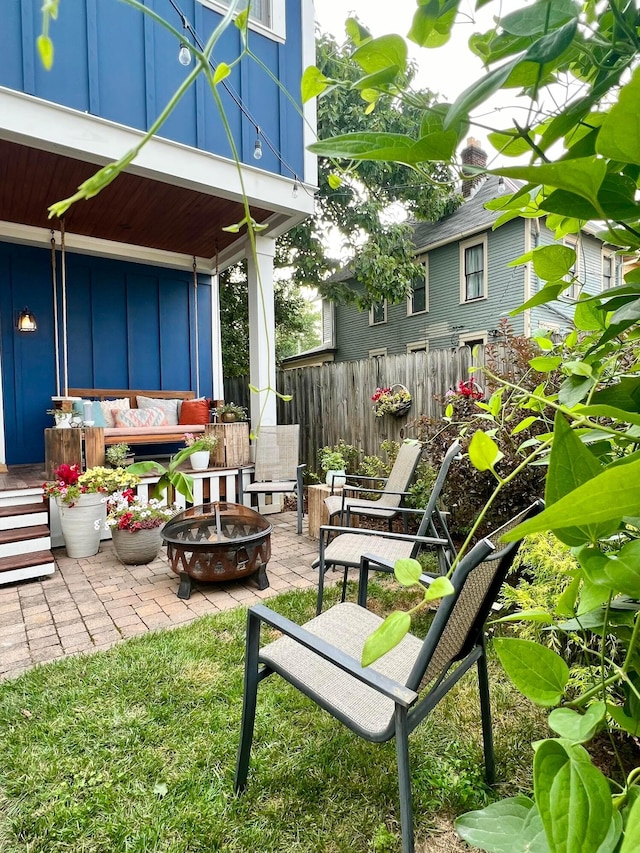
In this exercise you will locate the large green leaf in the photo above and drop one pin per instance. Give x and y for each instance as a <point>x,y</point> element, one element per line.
<point>539,18</point>
<point>610,496</point>
<point>387,146</point>
<point>577,727</point>
<point>574,389</point>
<point>549,47</point>
<point>313,83</point>
<point>548,293</point>
<point>623,569</point>
<point>379,53</point>
<point>407,571</point>
<point>508,826</point>
<point>479,92</point>
<point>587,317</point>
<point>601,411</point>
<point>627,723</point>
<point>625,395</point>
<point>538,672</point>
<point>386,636</point>
<point>553,262</point>
<point>432,22</point>
<point>582,176</point>
<point>573,797</point>
<point>619,137</point>
<point>631,841</point>
<point>484,453</point>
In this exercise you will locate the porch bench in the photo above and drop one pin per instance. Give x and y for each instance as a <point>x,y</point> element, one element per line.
<point>89,443</point>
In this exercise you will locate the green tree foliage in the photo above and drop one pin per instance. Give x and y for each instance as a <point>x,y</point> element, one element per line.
<point>582,141</point>
<point>296,321</point>
<point>354,201</point>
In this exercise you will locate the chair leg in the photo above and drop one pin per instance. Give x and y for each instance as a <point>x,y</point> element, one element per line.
<point>321,572</point>
<point>404,780</point>
<point>485,713</point>
<point>343,597</point>
<point>248,702</point>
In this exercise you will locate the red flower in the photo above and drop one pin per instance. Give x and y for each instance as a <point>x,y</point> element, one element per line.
<point>469,389</point>
<point>67,474</point>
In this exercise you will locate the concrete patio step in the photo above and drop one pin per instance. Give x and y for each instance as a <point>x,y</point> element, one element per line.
<point>34,564</point>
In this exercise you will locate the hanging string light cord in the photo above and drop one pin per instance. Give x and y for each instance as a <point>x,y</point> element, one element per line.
<point>235,97</point>
<point>63,281</point>
<point>195,318</point>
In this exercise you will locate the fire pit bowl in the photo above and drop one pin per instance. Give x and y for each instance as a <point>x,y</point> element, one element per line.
<point>218,542</point>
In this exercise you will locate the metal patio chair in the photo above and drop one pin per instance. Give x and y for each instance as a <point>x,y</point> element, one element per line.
<point>392,696</point>
<point>277,470</point>
<point>344,546</point>
<point>390,496</point>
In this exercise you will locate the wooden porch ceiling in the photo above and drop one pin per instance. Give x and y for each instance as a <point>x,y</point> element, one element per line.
<point>132,209</point>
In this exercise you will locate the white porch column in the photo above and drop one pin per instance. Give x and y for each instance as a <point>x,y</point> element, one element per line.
<point>262,330</point>
<point>216,340</point>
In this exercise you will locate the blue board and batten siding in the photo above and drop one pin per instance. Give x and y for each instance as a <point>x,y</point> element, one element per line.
<point>113,61</point>
<point>355,337</point>
<point>129,326</point>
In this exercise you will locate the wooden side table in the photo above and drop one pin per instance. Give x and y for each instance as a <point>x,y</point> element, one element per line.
<point>317,509</point>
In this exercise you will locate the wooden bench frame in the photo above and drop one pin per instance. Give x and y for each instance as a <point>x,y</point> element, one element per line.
<point>89,443</point>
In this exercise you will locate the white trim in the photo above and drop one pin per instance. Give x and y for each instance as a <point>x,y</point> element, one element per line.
<point>475,337</point>
<point>481,239</point>
<point>373,322</point>
<point>276,29</point>
<point>51,127</point>
<point>309,109</point>
<point>573,241</point>
<point>526,285</point>
<point>418,346</point>
<point>424,260</point>
<point>611,254</point>
<point>216,339</point>
<point>380,352</point>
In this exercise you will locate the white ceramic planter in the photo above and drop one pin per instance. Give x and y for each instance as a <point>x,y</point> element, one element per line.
<point>81,524</point>
<point>199,460</point>
<point>336,478</point>
<point>136,547</point>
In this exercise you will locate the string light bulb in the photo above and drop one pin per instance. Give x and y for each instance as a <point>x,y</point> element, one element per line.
<point>184,54</point>
<point>257,148</point>
<point>294,191</point>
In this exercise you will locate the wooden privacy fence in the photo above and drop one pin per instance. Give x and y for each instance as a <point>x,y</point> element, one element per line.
<point>334,401</point>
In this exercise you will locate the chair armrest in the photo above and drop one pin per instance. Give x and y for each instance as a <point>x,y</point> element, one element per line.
<point>328,529</point>
<point>371,491</point>
<point>400,694</point>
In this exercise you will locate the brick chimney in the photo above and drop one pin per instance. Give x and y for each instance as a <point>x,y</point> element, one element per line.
<point>472,155</point>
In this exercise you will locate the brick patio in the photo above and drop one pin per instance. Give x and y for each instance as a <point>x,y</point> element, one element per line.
<point>93,603</point>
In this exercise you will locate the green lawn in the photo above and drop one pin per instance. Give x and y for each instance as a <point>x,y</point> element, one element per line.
<point>134,750</point>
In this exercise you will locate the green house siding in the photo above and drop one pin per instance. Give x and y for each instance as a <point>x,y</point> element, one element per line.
<point>447,318</point>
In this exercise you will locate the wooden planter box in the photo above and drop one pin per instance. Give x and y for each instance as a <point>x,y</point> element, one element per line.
<point>233,444</point>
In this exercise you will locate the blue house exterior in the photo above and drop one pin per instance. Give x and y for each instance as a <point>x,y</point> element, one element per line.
<point>467,287</point>
<point>125,287</point>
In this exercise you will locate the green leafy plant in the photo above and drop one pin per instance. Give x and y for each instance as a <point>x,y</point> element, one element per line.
<point>585,404</point>
<point>116,455</point>
<point>232,409</point>
<point>331,460</point>
<point>206,441</point>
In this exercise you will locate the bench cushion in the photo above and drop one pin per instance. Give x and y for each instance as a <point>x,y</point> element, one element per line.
<point>150,417</point>
<point>108,407</point>
<point>169,407</point>
<point>194,411</point>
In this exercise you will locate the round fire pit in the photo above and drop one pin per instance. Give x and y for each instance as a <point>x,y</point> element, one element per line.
<point>218,542</point>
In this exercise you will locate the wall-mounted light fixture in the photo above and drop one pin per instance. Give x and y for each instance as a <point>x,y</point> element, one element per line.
<point>26,321</point>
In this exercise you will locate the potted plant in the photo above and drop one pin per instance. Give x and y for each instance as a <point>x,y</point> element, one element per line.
<point>62,419</point>
<point>230,412</point>
<point>136,526</point>
<point>119,455</point>
<point>388,401</point>
<point>333,464</point>
<point>170,475</point>
<point>81,500</point>
<point>201,449</point>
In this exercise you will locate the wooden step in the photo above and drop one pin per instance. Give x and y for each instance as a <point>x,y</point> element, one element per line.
<point>24,540</point>
<point>24,566</point>
<point>23,515</point>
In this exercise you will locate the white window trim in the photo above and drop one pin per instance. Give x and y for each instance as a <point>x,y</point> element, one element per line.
<point>277,31</point>
<point>410,313</point>
<point>466,244</point>
<point>572,241</point>
<point>418,346</point>
<point>472,336</point>
<point>378,322</point>
<point>608,253</point>
<point>377,353</point>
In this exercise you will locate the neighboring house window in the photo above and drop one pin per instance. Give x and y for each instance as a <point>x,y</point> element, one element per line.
<point>267,16</point>
<point>573,275</point>
<point>378,353</point>
<point>472,339</point>
<point>418,346</point>
<point>473,269</point>
<point>418,301</point>
<point>378,313</point>
<point>608,270</point>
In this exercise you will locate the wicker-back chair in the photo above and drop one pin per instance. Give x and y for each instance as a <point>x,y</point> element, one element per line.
<point>344,546</point>
<point>277,468</point>
<point>392,696</point>
<point>395,488</point>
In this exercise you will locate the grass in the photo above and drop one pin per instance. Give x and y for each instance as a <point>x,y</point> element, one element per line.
<point>133,750</point>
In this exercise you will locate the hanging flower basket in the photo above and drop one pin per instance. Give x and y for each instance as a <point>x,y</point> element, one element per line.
<point>395,401</point>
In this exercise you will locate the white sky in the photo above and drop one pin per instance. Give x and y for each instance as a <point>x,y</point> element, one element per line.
<point>446,70</point>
